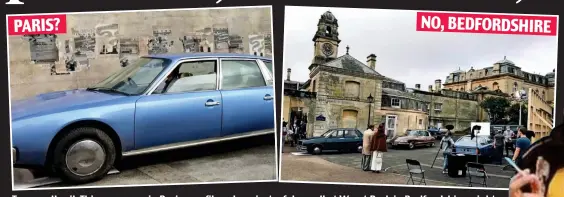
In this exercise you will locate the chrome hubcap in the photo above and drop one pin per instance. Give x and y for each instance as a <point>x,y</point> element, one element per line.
<point>317,150</point>
<point>85,157</point>
<point>360,148</point>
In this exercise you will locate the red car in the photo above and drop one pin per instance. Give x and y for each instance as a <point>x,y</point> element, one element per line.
<point>416,138</point>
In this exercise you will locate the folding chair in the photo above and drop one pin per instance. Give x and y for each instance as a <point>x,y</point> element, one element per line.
<point>478,171</point>
<point>414,170</point>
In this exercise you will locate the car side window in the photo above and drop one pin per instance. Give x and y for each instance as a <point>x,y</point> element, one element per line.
<point>340,133</point>
<point>268,65</point>
<point>351,134</point>
<point>238,74</point>
<point>333,134</point>
<point>190,77</point>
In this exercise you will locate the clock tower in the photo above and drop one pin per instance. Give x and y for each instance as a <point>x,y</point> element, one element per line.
<point>326,40</point>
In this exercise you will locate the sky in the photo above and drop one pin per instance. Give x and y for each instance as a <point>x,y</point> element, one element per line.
<point>405,54</point>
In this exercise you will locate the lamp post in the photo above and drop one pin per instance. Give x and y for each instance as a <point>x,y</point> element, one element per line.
<point>370,101</point>
<point>520,96</point>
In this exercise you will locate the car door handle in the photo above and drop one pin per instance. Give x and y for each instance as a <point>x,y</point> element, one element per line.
<point>267,97</point>
<point>212,103</point>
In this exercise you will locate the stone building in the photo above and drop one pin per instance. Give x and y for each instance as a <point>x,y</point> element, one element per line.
<point>345,92</point>
<point>505,77</point>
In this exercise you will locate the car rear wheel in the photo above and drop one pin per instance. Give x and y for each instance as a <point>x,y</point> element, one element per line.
<point>411,145</point>
<point>84,155</point>
<point>317,150</point>
<point>359,148</point>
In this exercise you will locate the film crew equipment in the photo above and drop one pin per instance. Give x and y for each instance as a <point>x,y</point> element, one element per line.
<point>475,131</point>
<point>449,128</point>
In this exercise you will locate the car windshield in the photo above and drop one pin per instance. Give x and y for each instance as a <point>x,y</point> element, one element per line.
<point>467,141</point>
<point>133,79</point>
<point>413,133</point>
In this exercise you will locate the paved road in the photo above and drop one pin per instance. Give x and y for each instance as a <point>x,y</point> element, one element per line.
<point>238,160</point>
<point>394,162</point>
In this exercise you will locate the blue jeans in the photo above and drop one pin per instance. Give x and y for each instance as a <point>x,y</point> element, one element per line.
<point>445,156</point>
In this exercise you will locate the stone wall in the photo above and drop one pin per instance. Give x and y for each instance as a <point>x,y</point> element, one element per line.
<point>331,102</point>
<point>406,119</point>
<point>98,44</point>
<point>457,112</point>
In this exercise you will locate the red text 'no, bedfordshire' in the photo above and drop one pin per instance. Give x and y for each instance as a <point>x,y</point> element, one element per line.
<point>487,23</point>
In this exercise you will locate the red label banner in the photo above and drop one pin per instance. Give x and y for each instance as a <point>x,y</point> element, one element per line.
<point>37,24</point>
<point>487,23</point>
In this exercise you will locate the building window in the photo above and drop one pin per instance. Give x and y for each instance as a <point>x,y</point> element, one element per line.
<point>438,106</point>
<point>543,96</point>
<point>352,89</point>
<point>515,87</point>
<point>495,86</point>
<point>420,122</point>
<point>396,103</point>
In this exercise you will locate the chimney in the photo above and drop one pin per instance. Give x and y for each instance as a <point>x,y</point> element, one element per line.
<point>438,85</point>
<point>418,86</point>
<point>371,61</point>
<point>430,88</point>
<point>288,74</point>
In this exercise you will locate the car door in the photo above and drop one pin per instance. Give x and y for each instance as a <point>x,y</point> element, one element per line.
<point>352,139</point>
<point>188,107</point>
<point>335,141</point>
<point>428,138</point>
<point>248,97</point>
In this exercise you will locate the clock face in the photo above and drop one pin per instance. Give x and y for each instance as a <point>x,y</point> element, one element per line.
<point>327,49</point>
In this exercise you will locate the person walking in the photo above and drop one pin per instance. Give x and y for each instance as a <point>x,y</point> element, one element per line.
<point>508,134</point>
<point>446,145</point>
<point>366,153</point>
<point>284,132</point>
<point>499,145</point>
<point>522,144</point>
<point>378,146</point>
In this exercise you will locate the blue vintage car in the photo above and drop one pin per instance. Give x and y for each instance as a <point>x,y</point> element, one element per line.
<point>339,139</point>
<point>157,103</point>
<point>467,146</point>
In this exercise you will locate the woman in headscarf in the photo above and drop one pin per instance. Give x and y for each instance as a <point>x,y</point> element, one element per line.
<point>378,147</point>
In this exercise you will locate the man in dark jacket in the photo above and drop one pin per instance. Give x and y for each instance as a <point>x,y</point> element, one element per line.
<point>499,144</point>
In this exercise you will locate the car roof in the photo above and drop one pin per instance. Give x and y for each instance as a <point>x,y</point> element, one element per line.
<point>179,56</point>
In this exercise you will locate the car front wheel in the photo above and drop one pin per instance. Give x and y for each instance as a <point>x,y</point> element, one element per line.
<point>84,155</point>
<point>411,145</point>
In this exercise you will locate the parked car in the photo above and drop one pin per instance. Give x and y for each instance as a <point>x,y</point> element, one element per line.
<point>340,139</point>
<point>415,138</point>
<point>467,146</point>
<point>437,132</point>
<point>157,103</point>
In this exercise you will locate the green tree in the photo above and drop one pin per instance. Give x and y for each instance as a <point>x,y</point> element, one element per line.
<point>496,108</point>
<point>513,113</point>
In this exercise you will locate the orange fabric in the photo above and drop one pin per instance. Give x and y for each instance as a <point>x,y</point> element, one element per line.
<point>556,185</point>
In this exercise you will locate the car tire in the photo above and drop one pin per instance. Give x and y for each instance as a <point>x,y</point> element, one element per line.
<point>316,150</point>
<point>432,144</point>
<point>359,148</point>
<point>411,145</point>
<point>99,148</point>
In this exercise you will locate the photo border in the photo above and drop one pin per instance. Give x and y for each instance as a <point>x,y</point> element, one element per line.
<point>280,178</point>
<point>276,165</point>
